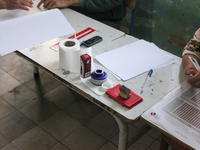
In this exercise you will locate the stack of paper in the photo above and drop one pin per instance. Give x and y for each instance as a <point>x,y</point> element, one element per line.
<point>21,32</point>
<point>134,59</point>
<point>178,114</point>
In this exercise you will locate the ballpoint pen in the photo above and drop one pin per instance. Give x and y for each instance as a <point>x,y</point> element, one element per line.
<point>195,63</point>
<point>82,43</point>
<point>148,76</point>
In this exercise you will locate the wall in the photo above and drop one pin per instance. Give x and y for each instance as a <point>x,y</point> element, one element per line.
<point>167,23</point>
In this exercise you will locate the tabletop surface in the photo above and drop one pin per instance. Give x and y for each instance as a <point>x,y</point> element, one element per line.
<point>161,83</point>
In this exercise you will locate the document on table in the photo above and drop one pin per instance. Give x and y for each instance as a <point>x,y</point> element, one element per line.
<point>25,31</point>
<point>134,59</point>
<point>179,114</point>
<point>11,14</point>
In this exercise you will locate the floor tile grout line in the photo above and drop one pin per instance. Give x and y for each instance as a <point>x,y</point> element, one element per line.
<point>59,109</point>
<point>150,144</point>
<point>46,118</point>
<point>24,132</point>
<point>98,135</point>
<point>17,79</point>
<point>15,67</point>
<point>57,144</point>
<point>31,129</point>
<point>9,114</point>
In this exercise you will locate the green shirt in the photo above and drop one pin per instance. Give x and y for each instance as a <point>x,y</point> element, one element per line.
<point>102,9</point>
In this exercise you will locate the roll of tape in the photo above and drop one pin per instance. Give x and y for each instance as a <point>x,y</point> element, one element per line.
<point>67,47</point>
<point>98,77</point>
<point>69,54</point>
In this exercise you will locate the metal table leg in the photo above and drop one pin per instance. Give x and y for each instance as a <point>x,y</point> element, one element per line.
<point>123,133</point>
<point>36,71</point>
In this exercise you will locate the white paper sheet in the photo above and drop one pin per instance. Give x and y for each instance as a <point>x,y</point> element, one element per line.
<point>25,31</point>
<point>134,59</point>
<point>178,114</point>
<point>11,14</point>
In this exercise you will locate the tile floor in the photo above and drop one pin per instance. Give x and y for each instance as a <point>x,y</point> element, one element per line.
<point>43,114</point>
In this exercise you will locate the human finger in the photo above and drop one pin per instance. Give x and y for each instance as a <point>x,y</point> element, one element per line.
<point>40,3</point>
<point>48,3</point>
<point>190,71</point>
<point>196,84</point>
<point>27,3</point>
<point>194,80</point>
<point>52,5</point>
<point>23,7</point>
<point>60,4</point>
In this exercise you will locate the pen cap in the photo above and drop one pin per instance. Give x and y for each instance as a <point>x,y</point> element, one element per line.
<point>150,72</point>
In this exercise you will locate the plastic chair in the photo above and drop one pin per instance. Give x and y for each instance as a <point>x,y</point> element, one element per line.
<point>132,5</point>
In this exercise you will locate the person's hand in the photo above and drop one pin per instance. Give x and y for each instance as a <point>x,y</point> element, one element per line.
<point>18,4</point>
<point>193,77</point>
<point>191,73</point>
<point>51,4</point>
<point>2,4</point>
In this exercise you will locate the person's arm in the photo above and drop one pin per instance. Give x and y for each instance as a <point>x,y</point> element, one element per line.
<point>51,4</point>
<point>2,4</point>
<point>191,73</point>
<point>88,5</point>
<point>192,49</point>
<point>100,5</point>
<point>18,4</point>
